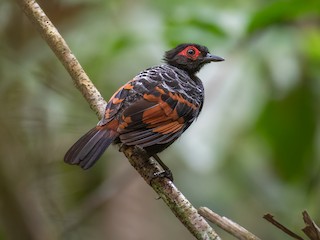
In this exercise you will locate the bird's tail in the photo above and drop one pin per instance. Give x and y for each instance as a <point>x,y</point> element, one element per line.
<point>88,149</point>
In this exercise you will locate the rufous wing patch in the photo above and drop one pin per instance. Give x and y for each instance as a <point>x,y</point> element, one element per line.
<point>159,117</point>
<point>125,122</point>
<point>116,101</point>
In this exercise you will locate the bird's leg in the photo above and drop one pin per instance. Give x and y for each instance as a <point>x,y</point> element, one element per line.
<point>162,169</point>
<point>166,171</point>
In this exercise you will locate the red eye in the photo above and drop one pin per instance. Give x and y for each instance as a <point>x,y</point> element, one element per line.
<point>190,52</point>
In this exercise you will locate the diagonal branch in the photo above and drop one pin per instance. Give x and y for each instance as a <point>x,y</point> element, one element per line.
<point>270,218</point>
<point>176,201</point>
<point>311,229</point>
<point>226,224</point>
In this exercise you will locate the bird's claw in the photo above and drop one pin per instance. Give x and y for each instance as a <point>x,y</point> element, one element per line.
<point>164,174</point>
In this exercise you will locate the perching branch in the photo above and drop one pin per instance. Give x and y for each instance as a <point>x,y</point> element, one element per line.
<point>178,204</point>
<point>169,193</point>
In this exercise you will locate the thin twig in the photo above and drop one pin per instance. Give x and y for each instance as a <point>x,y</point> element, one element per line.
<point>178,204</point>
<point>226,224</point>
<point>311,230</point>
<point>271,219</point>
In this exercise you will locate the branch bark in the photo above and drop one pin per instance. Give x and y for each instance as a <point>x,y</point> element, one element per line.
<point>226,224</point>
<point>311,229</point>
<point>176,201</point>
<point>169,193</point>
<point>270,218</point>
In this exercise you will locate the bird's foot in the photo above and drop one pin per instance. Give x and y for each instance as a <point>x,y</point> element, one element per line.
<point>161,170</point>
<point>163,174</point>
<point>166,172</point>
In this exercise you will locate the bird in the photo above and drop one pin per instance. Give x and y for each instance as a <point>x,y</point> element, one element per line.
<point>152,110</point>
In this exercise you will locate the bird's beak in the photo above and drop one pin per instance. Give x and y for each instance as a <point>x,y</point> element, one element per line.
<point>212,58</point>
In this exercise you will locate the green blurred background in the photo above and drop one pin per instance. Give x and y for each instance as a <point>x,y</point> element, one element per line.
<point>254,149</point>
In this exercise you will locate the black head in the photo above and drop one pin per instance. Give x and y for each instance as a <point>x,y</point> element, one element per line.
<point>190,57</point>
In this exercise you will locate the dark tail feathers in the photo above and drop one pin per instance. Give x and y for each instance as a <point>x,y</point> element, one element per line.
<point>88,149</point>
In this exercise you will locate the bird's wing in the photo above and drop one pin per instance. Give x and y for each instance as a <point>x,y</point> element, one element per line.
<point>159,117</point>
<point>116,102</point>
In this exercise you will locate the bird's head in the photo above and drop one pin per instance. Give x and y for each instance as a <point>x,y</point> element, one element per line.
<point>190,57</point>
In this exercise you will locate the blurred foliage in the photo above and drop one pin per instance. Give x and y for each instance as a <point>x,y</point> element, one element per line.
<point>293,151</point>
<point>283,12</point>
<point>254,149</point>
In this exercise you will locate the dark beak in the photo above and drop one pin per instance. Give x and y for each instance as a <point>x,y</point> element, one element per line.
<point>212,58</point>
